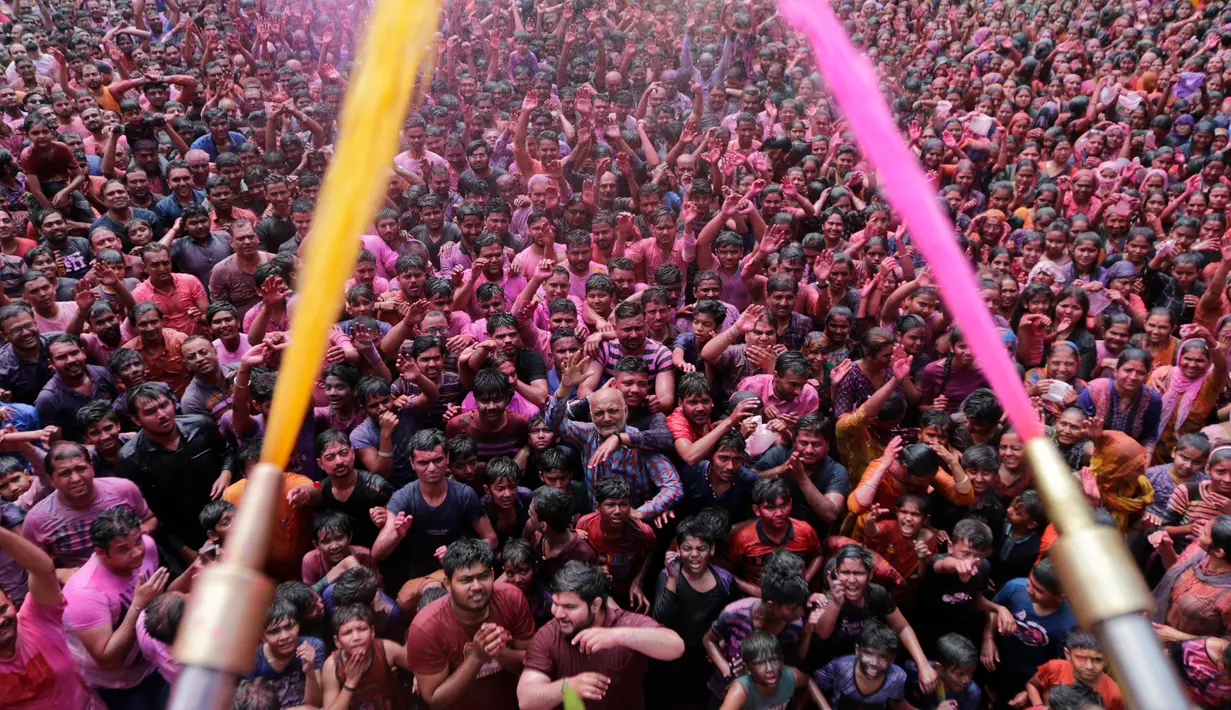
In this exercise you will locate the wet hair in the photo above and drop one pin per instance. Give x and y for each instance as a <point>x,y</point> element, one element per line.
<point>357,585</point>
<point>1220,534</point>
<point>859,553</point>
<point>213,512</point>
<point>611,488</point>
<point>256,694</point>
<point>553,457</point>
<point>880,638</point>
<point>332,521</point>
<point>983,406</point>
<point>281,610</point>
<point>346,613</point>
<point>783,587</point>
<point>919,460</point>
<point>502,468</point>
<point>937,419</point>
<point>518,551</point>
<point>163,617</point>
<point>298,593</point>
<point>695,528</point>
<point>1196,441</point>
<point>692,384</point>
<point>973,532</point>
<point>759,647</point>
<point>1044,574</point>
<point>1032,504</point>
<point>957,651</point>
<point>769,490</point>
<point>426,440</point>
<point>465,552</point>
<point>1079,640</point>
<point>114,522</point>
<point>981,457</point>
<point>586,581</point>
<point>1073,696</point>
<point>460,447</point>
<point>553,506</point>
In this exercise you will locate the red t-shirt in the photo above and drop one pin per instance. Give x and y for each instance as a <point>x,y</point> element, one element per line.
<point>621,556</point>
<point>52,163</point>
<point>438,640</point>
<point>1060,672</point>
<point>554,655</point>
<point>750,547</point>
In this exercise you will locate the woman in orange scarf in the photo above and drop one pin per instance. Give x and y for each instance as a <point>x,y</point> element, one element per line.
<point>1115,479</point>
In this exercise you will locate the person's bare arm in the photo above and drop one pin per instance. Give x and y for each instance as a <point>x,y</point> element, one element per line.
<point>44,588</point>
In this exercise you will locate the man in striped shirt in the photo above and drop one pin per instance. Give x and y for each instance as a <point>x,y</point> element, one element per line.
<point>630,339</point>
<point>495,430</point>
<point>606,444</point>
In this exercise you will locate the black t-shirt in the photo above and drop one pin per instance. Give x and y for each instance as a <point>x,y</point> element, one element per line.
<point>450,233</point>
<point>877,606</point>
<point>370,491</point>
<point>947,604</point>
<point>434,527</point>
<point>530,366</point>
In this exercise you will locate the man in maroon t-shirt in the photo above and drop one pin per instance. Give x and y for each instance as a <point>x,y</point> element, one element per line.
<point>466,648</point>
<point>599,652</point>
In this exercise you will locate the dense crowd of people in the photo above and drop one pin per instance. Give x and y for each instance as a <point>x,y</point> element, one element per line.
<point>640,391</point>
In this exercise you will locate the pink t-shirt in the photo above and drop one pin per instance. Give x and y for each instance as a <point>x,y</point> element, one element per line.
<point>65,532</point>
<point>527,260</point>
<point>510,284</point>
<point>542,314</point>
<point>409,164</point>
<point>577,284</point>
<point>59,324</point>
<point>807,402</point>
<point>157,652</point>
<point>386,258</point>
<point>517,405</point>
<point>95,596</point>
<point>232,357</point>
<point>42,674</point>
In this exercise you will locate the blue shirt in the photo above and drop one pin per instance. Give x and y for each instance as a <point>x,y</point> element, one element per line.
<point>1038,639</point>
<point>168,208</point>
<point>206,143</point>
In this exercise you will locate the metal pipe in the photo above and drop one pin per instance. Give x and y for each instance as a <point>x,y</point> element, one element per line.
<point>1144,673</point>
<point>201,688</point>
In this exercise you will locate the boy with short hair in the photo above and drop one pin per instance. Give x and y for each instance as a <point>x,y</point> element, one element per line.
<point>777,609</point>
<point>905,540</point>
<point>867,678</point>
<point>1039,621</point>
<point>463,456</point>
<point>1083,661</point>
<point>982,465</point>
<point>360,673</point>
<point>955,659</point>
<point>767,683</point>
<point>951,594</point>
<point>507,505</point>
<point>215,519</point>
<point>332,552</point>
<point>774,529</point>
<point>290,661</point>
<point>555,471</point>
<point>1026,518</point>
<point>622,542</point>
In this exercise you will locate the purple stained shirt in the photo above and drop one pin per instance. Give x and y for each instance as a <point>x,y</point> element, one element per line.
<point>65,531</point>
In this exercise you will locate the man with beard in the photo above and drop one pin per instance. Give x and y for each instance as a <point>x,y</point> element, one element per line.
<point>183,193</point>
<point>440,509</point>
<point>819,484</point>
<point>209,393</point>
<point>25,365</point>
<point>602,444</point>
<point>72,254</point>
<point>599,652</point>
<point>720,480</point>
<point>60,523</point>
<point>348,490</point>
<point>630,338</point>
<point>496,430</point>
<point>466,648</point>
<point>478,155</point>
<point>95,142</point>
<point>139,193</point>
<point>74,385</point>
<point>120,212</point>
<point>223,211</point>
<point>276,226</point>
<point>203,249</point>
<point>867,679</point>
<point>632,379</point>
<point>160,347</point>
